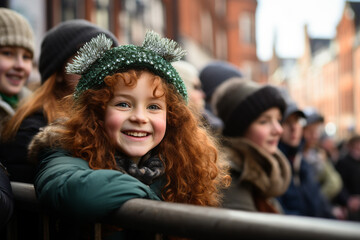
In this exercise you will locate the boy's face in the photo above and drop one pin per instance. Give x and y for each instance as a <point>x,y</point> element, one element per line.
<point>312,133</point>
<point>266,130</point>
<point>15,68</point>
<point>293,129</point>
<point>135,120</point>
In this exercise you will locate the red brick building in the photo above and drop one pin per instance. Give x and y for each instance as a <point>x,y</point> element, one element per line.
<point>345,37</point>
<point>328,76</point>
<point>217,29</point>
<point>208,29</point>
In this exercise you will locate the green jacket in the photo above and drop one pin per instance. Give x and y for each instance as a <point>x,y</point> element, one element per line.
<point>67,185</point>
<point>78,196</point>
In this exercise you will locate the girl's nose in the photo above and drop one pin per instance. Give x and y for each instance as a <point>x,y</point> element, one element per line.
<point>277,128</point>
<point>19,61</point>
<point>139,116</point>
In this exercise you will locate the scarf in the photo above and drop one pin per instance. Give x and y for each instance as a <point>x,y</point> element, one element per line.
<point>12,101</point>
<point>147,170</point>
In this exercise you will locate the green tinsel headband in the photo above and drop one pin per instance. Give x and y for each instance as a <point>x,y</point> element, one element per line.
<point>96,60</point>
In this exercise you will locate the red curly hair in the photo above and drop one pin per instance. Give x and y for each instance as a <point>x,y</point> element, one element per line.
<point>193,172</point>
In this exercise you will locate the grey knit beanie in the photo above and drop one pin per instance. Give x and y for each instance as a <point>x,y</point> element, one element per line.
<point>15,30</point>
<point>239,102</point>
<point>63,41</point>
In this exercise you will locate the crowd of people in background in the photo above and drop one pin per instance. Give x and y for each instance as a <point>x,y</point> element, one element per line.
<point>157,128</point>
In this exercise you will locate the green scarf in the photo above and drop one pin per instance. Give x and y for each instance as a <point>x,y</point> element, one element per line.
<point>12,101</point>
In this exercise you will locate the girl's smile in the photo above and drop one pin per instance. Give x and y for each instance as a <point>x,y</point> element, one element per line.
<point>136,134</point>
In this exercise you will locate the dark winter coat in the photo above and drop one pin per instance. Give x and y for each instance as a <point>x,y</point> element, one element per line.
<point>13,153</point>
<point>303,197</point>
<point>349,169</point>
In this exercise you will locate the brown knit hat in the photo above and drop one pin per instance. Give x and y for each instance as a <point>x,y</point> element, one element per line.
<point>238,102</point>
<point>15,30</point>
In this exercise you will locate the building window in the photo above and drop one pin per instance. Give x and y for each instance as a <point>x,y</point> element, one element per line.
<point>221,45</point>
<point>247,28</point>
<point>220,7</point>
<point>69,10</point>
<point>102,13</point>
<point>154,16</point>
<point>207,31</point>
<point>138,16</point>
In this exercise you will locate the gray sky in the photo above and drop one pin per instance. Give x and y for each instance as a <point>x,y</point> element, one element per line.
<point>287,18</point>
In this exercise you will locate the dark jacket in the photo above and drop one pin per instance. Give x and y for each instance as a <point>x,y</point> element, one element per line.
<point>303,196</point>
<point>349,169</point>
<point>13,153</point>
<point>257,177</point>
<point>6,198</point>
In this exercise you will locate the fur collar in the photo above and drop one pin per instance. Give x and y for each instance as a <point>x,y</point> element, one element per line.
<point>269,173</point>
<point>47,137</point>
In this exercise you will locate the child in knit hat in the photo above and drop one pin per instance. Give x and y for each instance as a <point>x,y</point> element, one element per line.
<point>58,47</point>
<point>130,134</point>
<point>260,172</point>
<point>16,61</point>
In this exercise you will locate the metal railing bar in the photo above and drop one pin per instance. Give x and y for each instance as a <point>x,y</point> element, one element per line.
<point>214,223</point>
<point>25,196</point>
<point>211,223</point>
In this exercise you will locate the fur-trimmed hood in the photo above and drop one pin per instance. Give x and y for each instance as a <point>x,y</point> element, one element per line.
<point>47,137</point>
<point>269,173</point>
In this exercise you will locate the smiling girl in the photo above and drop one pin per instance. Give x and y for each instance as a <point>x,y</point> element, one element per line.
<point>16,61</point>
<point>252,129</point>
<point>129,135</point>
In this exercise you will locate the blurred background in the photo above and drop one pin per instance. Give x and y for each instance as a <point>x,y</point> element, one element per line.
<point>309,47</point>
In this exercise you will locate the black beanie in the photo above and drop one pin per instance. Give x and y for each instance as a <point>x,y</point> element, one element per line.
<point>238,103</point>
<point>63,41</point>
<point>215,73</point>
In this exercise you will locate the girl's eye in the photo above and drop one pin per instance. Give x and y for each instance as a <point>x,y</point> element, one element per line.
<point>122,105</point>
<point>263,121</point>
<point>6,53</point>
<point>153,107</point>
<point>27,57</point>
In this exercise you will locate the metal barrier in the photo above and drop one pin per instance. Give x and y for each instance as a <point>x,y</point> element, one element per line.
<point>211,223</point>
